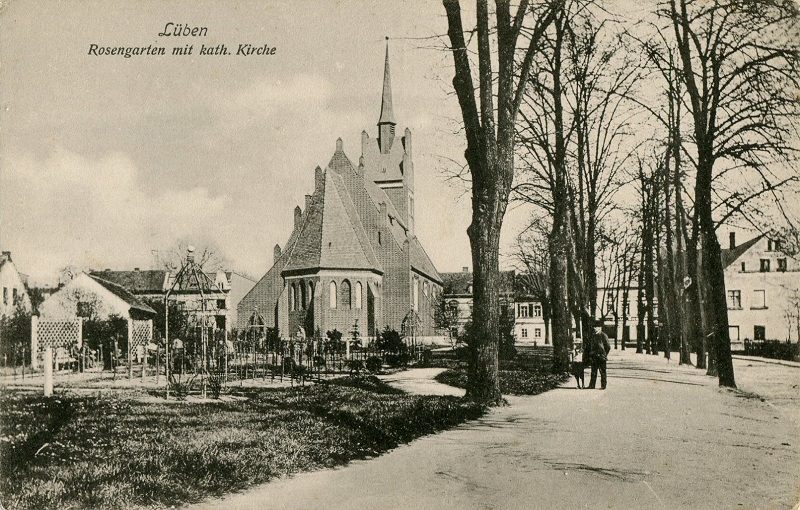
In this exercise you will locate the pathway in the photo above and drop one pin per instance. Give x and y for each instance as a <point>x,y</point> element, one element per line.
<point>661,436</point>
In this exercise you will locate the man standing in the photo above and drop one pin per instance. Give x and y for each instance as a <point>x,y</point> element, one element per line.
<point>599,355</point>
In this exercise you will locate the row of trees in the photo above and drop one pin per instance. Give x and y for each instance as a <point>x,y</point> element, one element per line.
<point>692,111</point>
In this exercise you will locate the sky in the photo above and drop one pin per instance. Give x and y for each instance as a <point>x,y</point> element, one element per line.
<point>104,159</point>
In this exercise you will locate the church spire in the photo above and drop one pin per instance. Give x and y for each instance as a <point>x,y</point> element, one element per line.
<point>386,122</point>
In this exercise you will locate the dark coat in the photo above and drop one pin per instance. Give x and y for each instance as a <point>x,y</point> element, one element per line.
<point>599,347</point>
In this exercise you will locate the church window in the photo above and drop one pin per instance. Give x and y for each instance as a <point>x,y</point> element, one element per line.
<point>379,238</point>
<point>291,297</point>
<point>345,295</point>
<point>358,295</point>
<point>416,294</point>
<point>333,294</point>
<point>303,301</point>
<point>310,294</point>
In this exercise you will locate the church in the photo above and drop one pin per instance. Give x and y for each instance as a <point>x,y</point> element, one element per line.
<point>352,259</point>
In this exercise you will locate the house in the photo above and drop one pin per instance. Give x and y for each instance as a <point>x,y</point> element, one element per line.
<point>227,287</point>
<point>90,296</point>
<point>353,258</point>
<point>762,285</point>
<point>15,292</point>
<point>516,303</point>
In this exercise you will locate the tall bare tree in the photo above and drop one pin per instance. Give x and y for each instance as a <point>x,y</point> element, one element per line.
<point>490,130</point>
<point>739,67</point>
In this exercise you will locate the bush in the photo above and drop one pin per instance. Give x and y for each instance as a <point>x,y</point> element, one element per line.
<point>397,360</point>
<point>215,385</point>
<point>179,386</point>
<point>374,364</point>
<point>773,349</point>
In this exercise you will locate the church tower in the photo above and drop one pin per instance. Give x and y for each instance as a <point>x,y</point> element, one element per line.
<point>386,122</point>
<point>387,161</point>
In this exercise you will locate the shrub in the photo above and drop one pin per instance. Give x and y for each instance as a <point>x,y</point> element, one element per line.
<point>397,360</point>
<point>179,386</point>
<point>773,349</point>
<point>215,385</point>
<point>374,364</point>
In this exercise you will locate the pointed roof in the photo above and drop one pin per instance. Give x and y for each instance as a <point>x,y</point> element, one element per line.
<point>124,294</point>
<point>332,235</point>
<point>387,112</point>
<point>729,256</point>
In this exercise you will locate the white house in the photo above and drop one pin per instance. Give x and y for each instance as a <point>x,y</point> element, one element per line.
<point>91,296</point>
<point>14,291</point>
<point>762,284</point>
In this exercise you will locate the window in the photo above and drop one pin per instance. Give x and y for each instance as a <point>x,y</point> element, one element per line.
<point>291,297</point>
<point>759,333</point>
<point>332,294</point>
<point>734,299</point>
<point>379,237</point>
<point>221,304</point>
<point>743,270</point>
<point>524,332</point>
<point>655,309</point>
<point>84,309</point>
<point>764,266</point>
<point>769,244</point>
<point>759,299</point>
<point>626,307</point>
<point>537,310</point>
<point>733,333</point>
<point>537,333</point>
<point>302,287</point>
<point>523,311</point>
<point>310,294</point>
<point>454,305</point>
<point>345,295</point>
<point>776,245</point>
<point>781,264</point>
<point>416,294</point>
<point>610,304</point>
<point>14,296</point>
<point>358,295</point>
<point>5,295</point>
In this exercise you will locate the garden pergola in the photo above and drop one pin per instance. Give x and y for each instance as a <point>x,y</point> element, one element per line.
<point>193,288</point>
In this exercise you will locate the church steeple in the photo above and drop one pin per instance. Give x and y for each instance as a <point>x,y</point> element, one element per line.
<point>386,122</point>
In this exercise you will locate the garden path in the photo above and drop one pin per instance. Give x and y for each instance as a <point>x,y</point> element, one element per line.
<point>661,436</point>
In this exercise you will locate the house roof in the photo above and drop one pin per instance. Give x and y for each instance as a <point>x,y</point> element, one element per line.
<point>729,256</point>
<point>124,294</point>
<point>458,284</point>
<point>137,282</point>
<point>421,262</point>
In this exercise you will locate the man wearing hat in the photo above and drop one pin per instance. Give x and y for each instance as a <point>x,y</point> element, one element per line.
<point>598,350</point>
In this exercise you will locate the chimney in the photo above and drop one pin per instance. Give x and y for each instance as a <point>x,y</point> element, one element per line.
<point>276,252</point>
<point>190,253</point>
<point>339,144</point>
<point>732,237</point>
<point>135,268</point>
<point>465,269</point>
<point>298,213</point>
<point>6,256</point>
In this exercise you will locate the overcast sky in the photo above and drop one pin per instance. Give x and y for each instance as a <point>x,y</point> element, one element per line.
<point>106,158</point>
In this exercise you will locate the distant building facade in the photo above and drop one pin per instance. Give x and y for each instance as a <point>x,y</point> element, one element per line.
<point>13,287</point>
<point>353,258</point>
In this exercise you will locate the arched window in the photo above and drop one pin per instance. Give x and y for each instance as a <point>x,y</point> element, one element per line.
<point>303,301</point>
<point>358,295</point>
<point>333,294</point>
<point>310,294</point>
<point>296,296</point>
<point>346,297</point>
<point>416,294</point>
<point>291,296</point>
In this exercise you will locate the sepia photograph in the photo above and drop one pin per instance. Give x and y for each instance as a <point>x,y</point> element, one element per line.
<point>418,254</point>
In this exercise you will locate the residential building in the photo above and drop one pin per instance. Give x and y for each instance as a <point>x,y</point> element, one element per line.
<point>353,258</point>
<point>762,285</point>
<point>90,296</point>
<point>13,286</point>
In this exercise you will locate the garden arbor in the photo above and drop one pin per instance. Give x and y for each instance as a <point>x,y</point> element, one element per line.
<point>198,299</point>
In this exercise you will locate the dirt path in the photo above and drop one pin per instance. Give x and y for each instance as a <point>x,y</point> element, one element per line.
<point>661,436</point>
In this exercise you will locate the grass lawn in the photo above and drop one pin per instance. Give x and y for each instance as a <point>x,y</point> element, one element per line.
<point>73,451</point>
<point>527,374</point>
